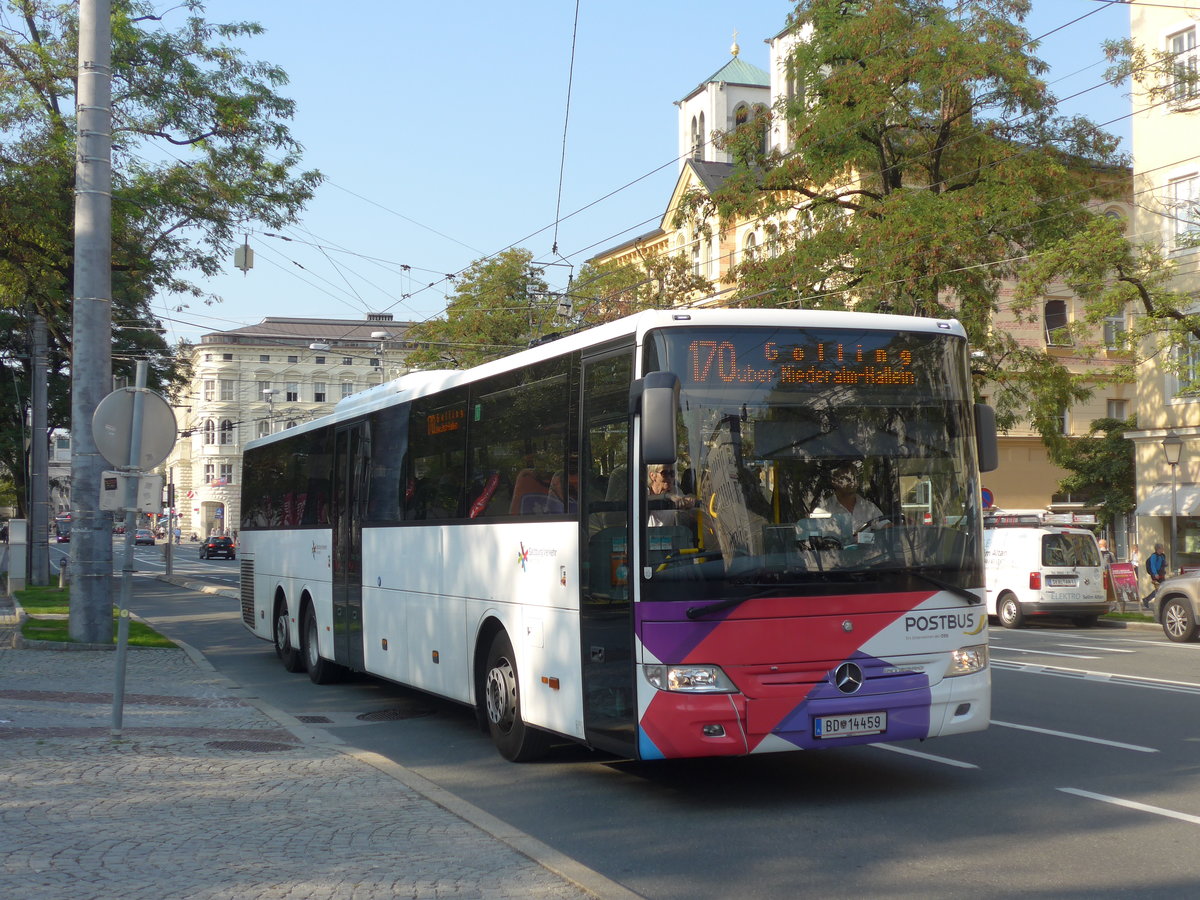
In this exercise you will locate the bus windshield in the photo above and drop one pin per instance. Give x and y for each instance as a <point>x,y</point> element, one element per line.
<point>831,460</point>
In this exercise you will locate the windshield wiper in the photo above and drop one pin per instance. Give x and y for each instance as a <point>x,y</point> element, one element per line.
<point>695,612</point>
<point>944,585</point>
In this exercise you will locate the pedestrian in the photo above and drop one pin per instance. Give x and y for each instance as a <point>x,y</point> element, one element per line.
<point>1106,555</point>
<point>177,534</point>
<point>1156,568</point>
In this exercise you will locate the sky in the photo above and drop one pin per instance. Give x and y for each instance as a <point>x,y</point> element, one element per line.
<point>440,130</point>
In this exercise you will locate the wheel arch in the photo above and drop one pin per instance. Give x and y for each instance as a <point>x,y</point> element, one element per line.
<point>484,635</point>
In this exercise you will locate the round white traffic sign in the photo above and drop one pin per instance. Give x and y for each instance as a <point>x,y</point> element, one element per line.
<point>112,428</point>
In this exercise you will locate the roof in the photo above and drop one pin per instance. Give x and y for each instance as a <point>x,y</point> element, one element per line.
<point>276,328</point>
<point>736,71</point>
<point>711,174</point>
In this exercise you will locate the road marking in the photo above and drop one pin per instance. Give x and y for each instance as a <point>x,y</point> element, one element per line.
<point>1157,684</point>
<point>1133,804</point>
<point>928,756</point>
<point>1075,737</point>
<point>1047,653</point>
<point>1090,647</point>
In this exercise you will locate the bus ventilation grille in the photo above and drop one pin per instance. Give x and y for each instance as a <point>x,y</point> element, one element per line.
<point>247,588</point>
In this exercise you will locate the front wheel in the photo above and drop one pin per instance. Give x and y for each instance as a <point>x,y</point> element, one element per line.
<point>515,740</point>
<point>1178,621</point>
<point>1009,612</point>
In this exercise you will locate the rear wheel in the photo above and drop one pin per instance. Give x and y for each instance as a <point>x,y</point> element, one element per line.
<point>1009,612</point>
<point>1178,621</point>
<point>290,656</point>
<point>320,670</point>
<point>515,740</point>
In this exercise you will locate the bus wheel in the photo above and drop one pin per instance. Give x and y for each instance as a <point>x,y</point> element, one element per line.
<point>320,670</point>
<point>515,740</point>
<point>291,657</point>
<point>1009,611</point>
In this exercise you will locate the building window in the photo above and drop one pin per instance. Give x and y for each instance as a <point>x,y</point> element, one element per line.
<point>1116,409</point>
<point>228,357</point>
<point>318,392</point>
<point>750,248</point>
<point>264,427</point>
<point>226,431</point>
<point>320,361</point>
<point>226,390</point>
<point>291,423</point>
<point>1058,332</point>
<point>263,387</point>
<point>227,473</point>
<point>210,432</point>
<point>1182,47</point>
<point>1114,331</point>
<point>210,390</point>
<point>264,357</point>
<point>1064,422</point>
<point>210,473</point>
<point>1187,370</point>
<point>375,361</point>
<point>1183,195</point>
<point>347,388</point>
<point>208,357</point>
<point>292,392</point>
<point>293,359</point>
<point>347,361</point>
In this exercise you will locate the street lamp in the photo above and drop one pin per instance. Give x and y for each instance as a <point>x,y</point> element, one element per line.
<point>1172,446</point>
<point>269,396</point>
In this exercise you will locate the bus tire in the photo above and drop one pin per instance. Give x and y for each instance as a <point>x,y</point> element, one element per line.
<point>516,741</point>
<point>290,656</point>
<point>1008,610</point>
<point>320,670</point>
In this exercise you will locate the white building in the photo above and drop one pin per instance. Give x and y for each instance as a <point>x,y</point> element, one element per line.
<point>256,380</point>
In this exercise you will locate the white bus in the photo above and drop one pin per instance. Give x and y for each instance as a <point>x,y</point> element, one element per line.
<point>634,536</point>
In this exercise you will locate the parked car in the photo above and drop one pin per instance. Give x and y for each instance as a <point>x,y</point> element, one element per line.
<point>1176,606</point>
<point>217,546</point>
<point>1043,570</point>
<point>144,536</point>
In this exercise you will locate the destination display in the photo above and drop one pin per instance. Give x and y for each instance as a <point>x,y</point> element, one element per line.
<point>821,362</point>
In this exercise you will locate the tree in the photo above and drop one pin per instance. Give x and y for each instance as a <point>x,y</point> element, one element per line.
<point>927,165</point>
<point>1102,468</point>
<point>499,305</point>
<point>201,151</point>
<point>611,290</point>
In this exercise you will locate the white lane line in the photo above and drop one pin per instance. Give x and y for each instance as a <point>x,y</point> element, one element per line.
<point>928,756</point>
<point>1090,647</point>
<point>1046,653</point>
<point>1076,737</point>
<point>1157,684</point>
<point>1133,804</point>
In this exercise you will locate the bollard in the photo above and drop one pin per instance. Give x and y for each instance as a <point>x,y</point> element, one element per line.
<point>63,572</point>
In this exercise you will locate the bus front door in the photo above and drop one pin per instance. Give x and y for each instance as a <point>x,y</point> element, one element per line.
<point>350,466</point>
<point>605,610</point>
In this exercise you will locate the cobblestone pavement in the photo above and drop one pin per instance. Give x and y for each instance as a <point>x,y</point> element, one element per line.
<point>206,796</point>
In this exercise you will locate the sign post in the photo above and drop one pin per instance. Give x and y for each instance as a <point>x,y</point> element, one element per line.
<point>134,429</point>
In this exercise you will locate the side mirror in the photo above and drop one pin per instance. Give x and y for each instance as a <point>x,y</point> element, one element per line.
<point>656,397</point>
<point>985,438</point>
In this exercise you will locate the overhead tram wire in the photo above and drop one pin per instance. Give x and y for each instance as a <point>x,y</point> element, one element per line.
<point>562,164</point>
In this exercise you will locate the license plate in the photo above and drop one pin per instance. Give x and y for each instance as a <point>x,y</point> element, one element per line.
<point>1061,580</point>
<point>849,726</point>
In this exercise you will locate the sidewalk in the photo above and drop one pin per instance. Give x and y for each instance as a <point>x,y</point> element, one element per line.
<point>209,795</point>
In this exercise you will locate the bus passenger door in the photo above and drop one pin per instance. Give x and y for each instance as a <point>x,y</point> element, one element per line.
<point>350,466</point>
<point>605,610</point>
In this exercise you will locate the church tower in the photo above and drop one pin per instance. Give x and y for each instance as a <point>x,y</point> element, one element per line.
<point>726,99</point>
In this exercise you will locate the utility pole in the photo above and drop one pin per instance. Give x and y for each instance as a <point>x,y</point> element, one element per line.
<point>39,462</point>
<point>91,360</point>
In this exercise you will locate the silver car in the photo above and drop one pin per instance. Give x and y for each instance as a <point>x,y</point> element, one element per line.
<point>1176,606</point>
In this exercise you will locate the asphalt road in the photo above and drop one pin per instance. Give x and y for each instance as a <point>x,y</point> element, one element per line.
<point>1087,784</point>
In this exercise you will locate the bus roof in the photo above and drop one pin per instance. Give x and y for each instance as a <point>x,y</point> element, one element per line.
<point>423,383</point>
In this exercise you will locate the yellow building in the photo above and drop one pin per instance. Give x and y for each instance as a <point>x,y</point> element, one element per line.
<point>1166,184</point>
<point>736,92</point>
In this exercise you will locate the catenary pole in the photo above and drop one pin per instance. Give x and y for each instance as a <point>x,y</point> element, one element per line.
<point>91,361</point>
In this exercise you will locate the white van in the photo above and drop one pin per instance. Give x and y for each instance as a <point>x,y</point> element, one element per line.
<point>1043,570</point>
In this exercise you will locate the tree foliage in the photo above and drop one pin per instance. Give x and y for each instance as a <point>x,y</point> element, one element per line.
<point>201,151</point>
<point>927,166</point>
<point>1102,468</point>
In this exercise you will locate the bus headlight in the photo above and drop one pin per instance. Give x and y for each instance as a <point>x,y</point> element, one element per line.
<point>966,660</point>
<point>689,679</point>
